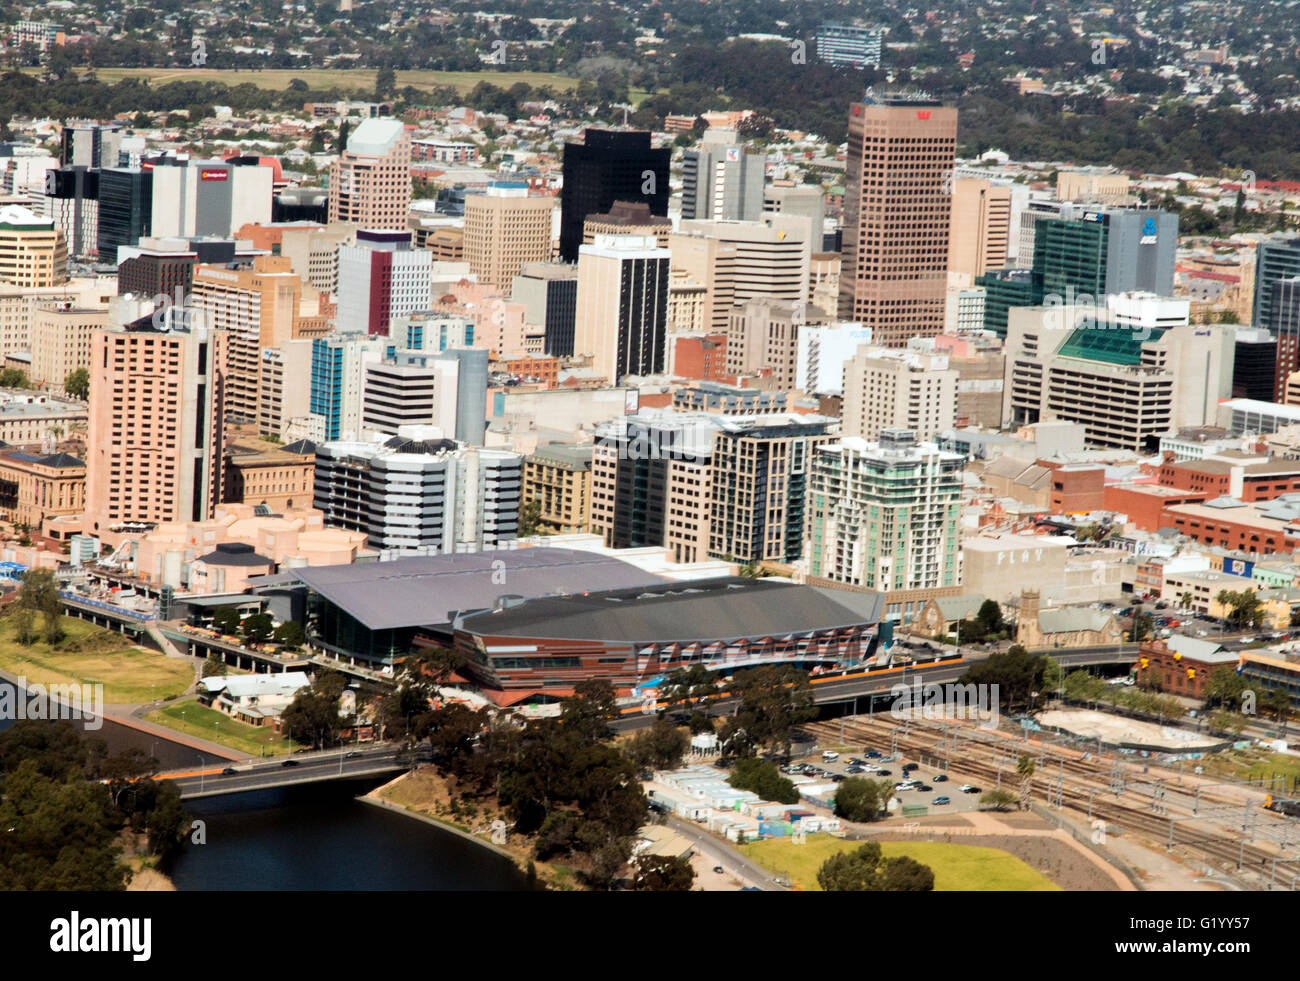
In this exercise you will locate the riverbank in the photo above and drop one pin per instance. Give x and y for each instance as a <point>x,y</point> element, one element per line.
<point>423,795</point>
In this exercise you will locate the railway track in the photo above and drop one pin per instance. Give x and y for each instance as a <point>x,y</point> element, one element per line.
<point>1208,828</point>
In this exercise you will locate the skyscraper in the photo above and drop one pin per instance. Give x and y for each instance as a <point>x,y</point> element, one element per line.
<point>844,44</point>
<point>370,183</point>
<point>1277,259</point>
<point>884,515</point>
<point>125,209</point>
<point>622,318</point>
<point>981,228</point>
<point>897,208</point>
<point>504,229</point>
<point>382,279</point>
<point>723,181</point>
<point>155,439</point>
<point>609,166</point>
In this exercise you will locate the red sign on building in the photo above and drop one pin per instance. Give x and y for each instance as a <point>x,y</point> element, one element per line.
<point>214,175</point>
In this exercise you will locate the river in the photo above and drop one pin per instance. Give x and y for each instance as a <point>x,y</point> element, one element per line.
<point>315,837</point>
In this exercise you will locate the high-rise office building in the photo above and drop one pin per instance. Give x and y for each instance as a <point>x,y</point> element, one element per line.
<point>723,181</point>
<point>767,259</point>
<point>885,514</point>
<point>763,337</point>
<point>1084,256</point>
<point>370,183</point>
<point>382,279</point>
<point>651,474</point>
<point>1276,259</point>
<point>558,477</point>
<point>844,44</point>
<point>759,482</point>
<point>155,440</point>
<point>549,294</point>
<point>33,252</point>
<point>72,200</point>
<point>257,303</point>
<point>627,218</point>
<point>1284,325</point>
<point>609,166</point>
<point>337,372</point>
<point>418,491</point>
<point>505,228</point>
<point>209,198</point>
<point>897,209</point>
<point>887,388</point>
<point>94,146</point>
<point>460,393</point>
<point>622,314</point>
<point>981,228</point>
<point>125,208</point>
<point>61,341</point>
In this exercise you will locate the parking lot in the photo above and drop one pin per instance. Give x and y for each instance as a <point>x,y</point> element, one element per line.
<point>959,802</point>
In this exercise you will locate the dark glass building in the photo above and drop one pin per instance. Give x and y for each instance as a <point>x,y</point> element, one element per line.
<point>609,166</point>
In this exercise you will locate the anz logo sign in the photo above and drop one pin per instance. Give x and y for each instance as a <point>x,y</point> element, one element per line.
<point>1149,233</point>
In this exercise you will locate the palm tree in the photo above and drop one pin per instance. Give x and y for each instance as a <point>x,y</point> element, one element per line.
<point>1025,767</point>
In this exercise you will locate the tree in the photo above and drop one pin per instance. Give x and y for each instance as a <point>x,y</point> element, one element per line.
<point>663,873</point>
<point>774,701</point>
<point>213,665</point>
<point>763,778</point>
<point>686,686</point>
<point>14,378</point>
<point>39,593</point>
<point>290,634</point>
<point>77,384</point>
<point>1224,687</point>
<point>661,747</point>
<point>385,82</point>
<point>1017,674</point>
<point>226,620</point>
<point>990,616</point>
<point>1025,767</point>
<point>313,716</point>
<point>999,800</point>
<point>590,709</point>
<point>258,628</point>
<point>1278,701</point>
<point>530,518</point>
<point>864,870</point>
<point>862,800</point>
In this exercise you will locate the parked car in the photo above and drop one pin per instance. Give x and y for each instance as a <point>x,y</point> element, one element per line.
<point>857,769</point>
<point>942,800</point>
<point>873,754</point>
<point>718,869</point>
<point>854,761</point>
<point>882,772</point>
<point>924,788</point>
<point>970,790</point>
<point>939,778</point>
<point>830,757</point>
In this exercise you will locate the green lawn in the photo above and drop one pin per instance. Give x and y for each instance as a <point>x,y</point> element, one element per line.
<point>92,655</point>
<point>192,719</point>
<point>957,868</point>
<point>361,79</point>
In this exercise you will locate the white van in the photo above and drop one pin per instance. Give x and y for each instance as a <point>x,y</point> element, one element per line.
<point>829,757</point>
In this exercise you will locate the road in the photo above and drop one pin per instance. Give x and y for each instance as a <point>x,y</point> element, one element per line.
<point>306,768</point>
<point>721,853</point>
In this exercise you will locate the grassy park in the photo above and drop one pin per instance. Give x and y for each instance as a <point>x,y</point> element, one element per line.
<point>192,719</point>
<point>91,655</point>
<point>957,868</point>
